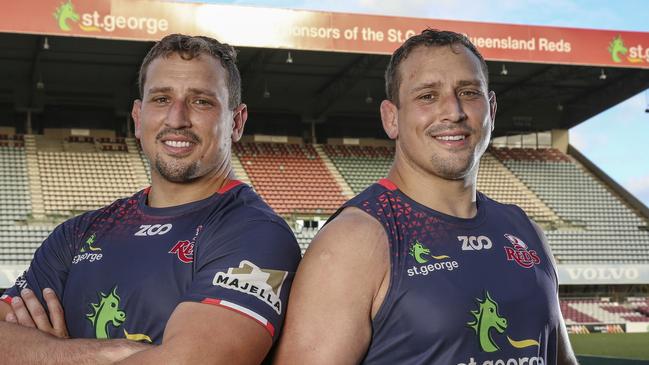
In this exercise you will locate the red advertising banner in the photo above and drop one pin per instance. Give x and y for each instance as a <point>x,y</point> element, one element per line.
<point>319,31</point>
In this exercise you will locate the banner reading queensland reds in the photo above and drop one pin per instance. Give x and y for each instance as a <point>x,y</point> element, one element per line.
<point>319,31</point>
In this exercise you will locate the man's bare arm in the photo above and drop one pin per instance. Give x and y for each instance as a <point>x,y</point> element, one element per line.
<point>24,346</point>
<point>205,334</point>
<point>339,286</point>
<point>565,355</point>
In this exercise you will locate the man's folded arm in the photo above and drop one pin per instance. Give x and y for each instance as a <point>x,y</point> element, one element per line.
<point>23,345</point>
<point>195,333</point>
<point>200,333</point>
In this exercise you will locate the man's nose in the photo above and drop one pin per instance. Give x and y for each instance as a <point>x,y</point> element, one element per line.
<point>451,108</point>
<point>178,115</point>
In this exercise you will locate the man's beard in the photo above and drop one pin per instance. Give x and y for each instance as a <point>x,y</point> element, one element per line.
<point>175,171</point>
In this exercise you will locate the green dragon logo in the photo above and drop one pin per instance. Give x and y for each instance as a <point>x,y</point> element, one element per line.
<point>106,312</point>
<point>487,318</point>
<point>64,13</point>
<point>88,245</point>
<point>616,47</point>
<point>417,250</point>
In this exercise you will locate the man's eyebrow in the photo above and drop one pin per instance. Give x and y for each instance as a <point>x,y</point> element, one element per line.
<point>426,85</point>
<point>194,91</point>
<point>474,82</point>
<point>198,91</point>
<point>155,90</point>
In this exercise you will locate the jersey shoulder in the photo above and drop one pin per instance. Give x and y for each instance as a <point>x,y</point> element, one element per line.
<point>245,219</point>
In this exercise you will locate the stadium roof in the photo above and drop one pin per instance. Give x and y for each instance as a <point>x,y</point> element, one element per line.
<point>79,62</point>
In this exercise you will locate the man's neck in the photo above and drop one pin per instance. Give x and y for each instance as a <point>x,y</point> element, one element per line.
<point>165,193</point>
<point>452,197</point>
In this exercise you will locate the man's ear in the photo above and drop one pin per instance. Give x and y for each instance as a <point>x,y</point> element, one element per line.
<point>390,119</point>
<point>239,117</point>
<point>135,114</point>
<point>493,107</point>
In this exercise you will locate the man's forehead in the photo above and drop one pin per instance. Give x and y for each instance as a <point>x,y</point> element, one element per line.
<point>170,73</point>
<point>444,60</point>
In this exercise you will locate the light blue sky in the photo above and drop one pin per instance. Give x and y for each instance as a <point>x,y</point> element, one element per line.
<point>616,140</point>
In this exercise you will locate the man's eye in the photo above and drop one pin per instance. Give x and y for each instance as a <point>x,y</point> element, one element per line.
<point>202,102</point>
<point>160,100</point>
<point>470,93</point>
<point>426,97</point>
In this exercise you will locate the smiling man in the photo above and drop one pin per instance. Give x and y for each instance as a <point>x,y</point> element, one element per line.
<point>417,269</point>
<point>194,269</point>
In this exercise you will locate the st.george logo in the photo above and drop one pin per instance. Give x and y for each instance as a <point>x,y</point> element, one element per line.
<point>184,250</point>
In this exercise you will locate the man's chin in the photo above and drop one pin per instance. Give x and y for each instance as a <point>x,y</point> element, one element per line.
<point>453,171</point>
<point>175,173</point>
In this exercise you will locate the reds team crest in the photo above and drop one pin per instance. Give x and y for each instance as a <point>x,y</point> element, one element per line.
<point>520,253</point>
<point>184,250</point>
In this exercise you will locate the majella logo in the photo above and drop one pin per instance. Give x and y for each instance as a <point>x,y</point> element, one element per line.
<point>636,54</point>
<point>487,320</point>
<point>67,18</point>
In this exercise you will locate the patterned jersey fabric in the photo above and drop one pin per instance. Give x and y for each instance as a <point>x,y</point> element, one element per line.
<point>120,271</point>
<point>462,291</point>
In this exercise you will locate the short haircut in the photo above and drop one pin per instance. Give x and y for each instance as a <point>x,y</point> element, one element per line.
<point>188,48</point>
<point>427,38</point>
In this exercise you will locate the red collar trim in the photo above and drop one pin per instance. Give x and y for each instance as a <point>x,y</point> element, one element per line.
<point>231,184</point>
<point>386,183</point>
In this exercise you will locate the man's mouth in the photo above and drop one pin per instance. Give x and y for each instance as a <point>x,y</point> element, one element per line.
<point>459,137</point>
<point>177,144</point>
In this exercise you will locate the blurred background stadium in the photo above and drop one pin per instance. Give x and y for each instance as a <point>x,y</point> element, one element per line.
<point>313,82</point>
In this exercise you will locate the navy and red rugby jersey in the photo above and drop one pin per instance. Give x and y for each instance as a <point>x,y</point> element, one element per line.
<point>120,271</point>
<point>462,291</point>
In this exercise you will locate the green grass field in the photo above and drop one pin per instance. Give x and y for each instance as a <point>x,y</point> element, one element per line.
<point>622,345</point>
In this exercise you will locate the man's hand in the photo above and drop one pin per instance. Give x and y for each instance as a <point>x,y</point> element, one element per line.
<point>28,312</point>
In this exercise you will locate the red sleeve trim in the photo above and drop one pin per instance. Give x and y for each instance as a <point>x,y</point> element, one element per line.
<point>242,310</point>
<point>7,299</point>
<point>231,184</point>
<point>386,183</point>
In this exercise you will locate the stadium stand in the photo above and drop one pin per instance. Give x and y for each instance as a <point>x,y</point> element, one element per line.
<point>360,166</point>
<point>292,178</point>
<point>304,237</point>
<point>15,202</point>
<point>17,241</point>
<point>601,228</point>
<point>87,174</point>
<point>602,310</point>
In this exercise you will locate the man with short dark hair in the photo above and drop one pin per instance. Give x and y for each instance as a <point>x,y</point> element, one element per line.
<point>420,268</point>
<point>194,269</point>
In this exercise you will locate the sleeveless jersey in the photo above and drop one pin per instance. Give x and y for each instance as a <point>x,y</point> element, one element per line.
<point>121,271</point>
<point>462,291</point>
